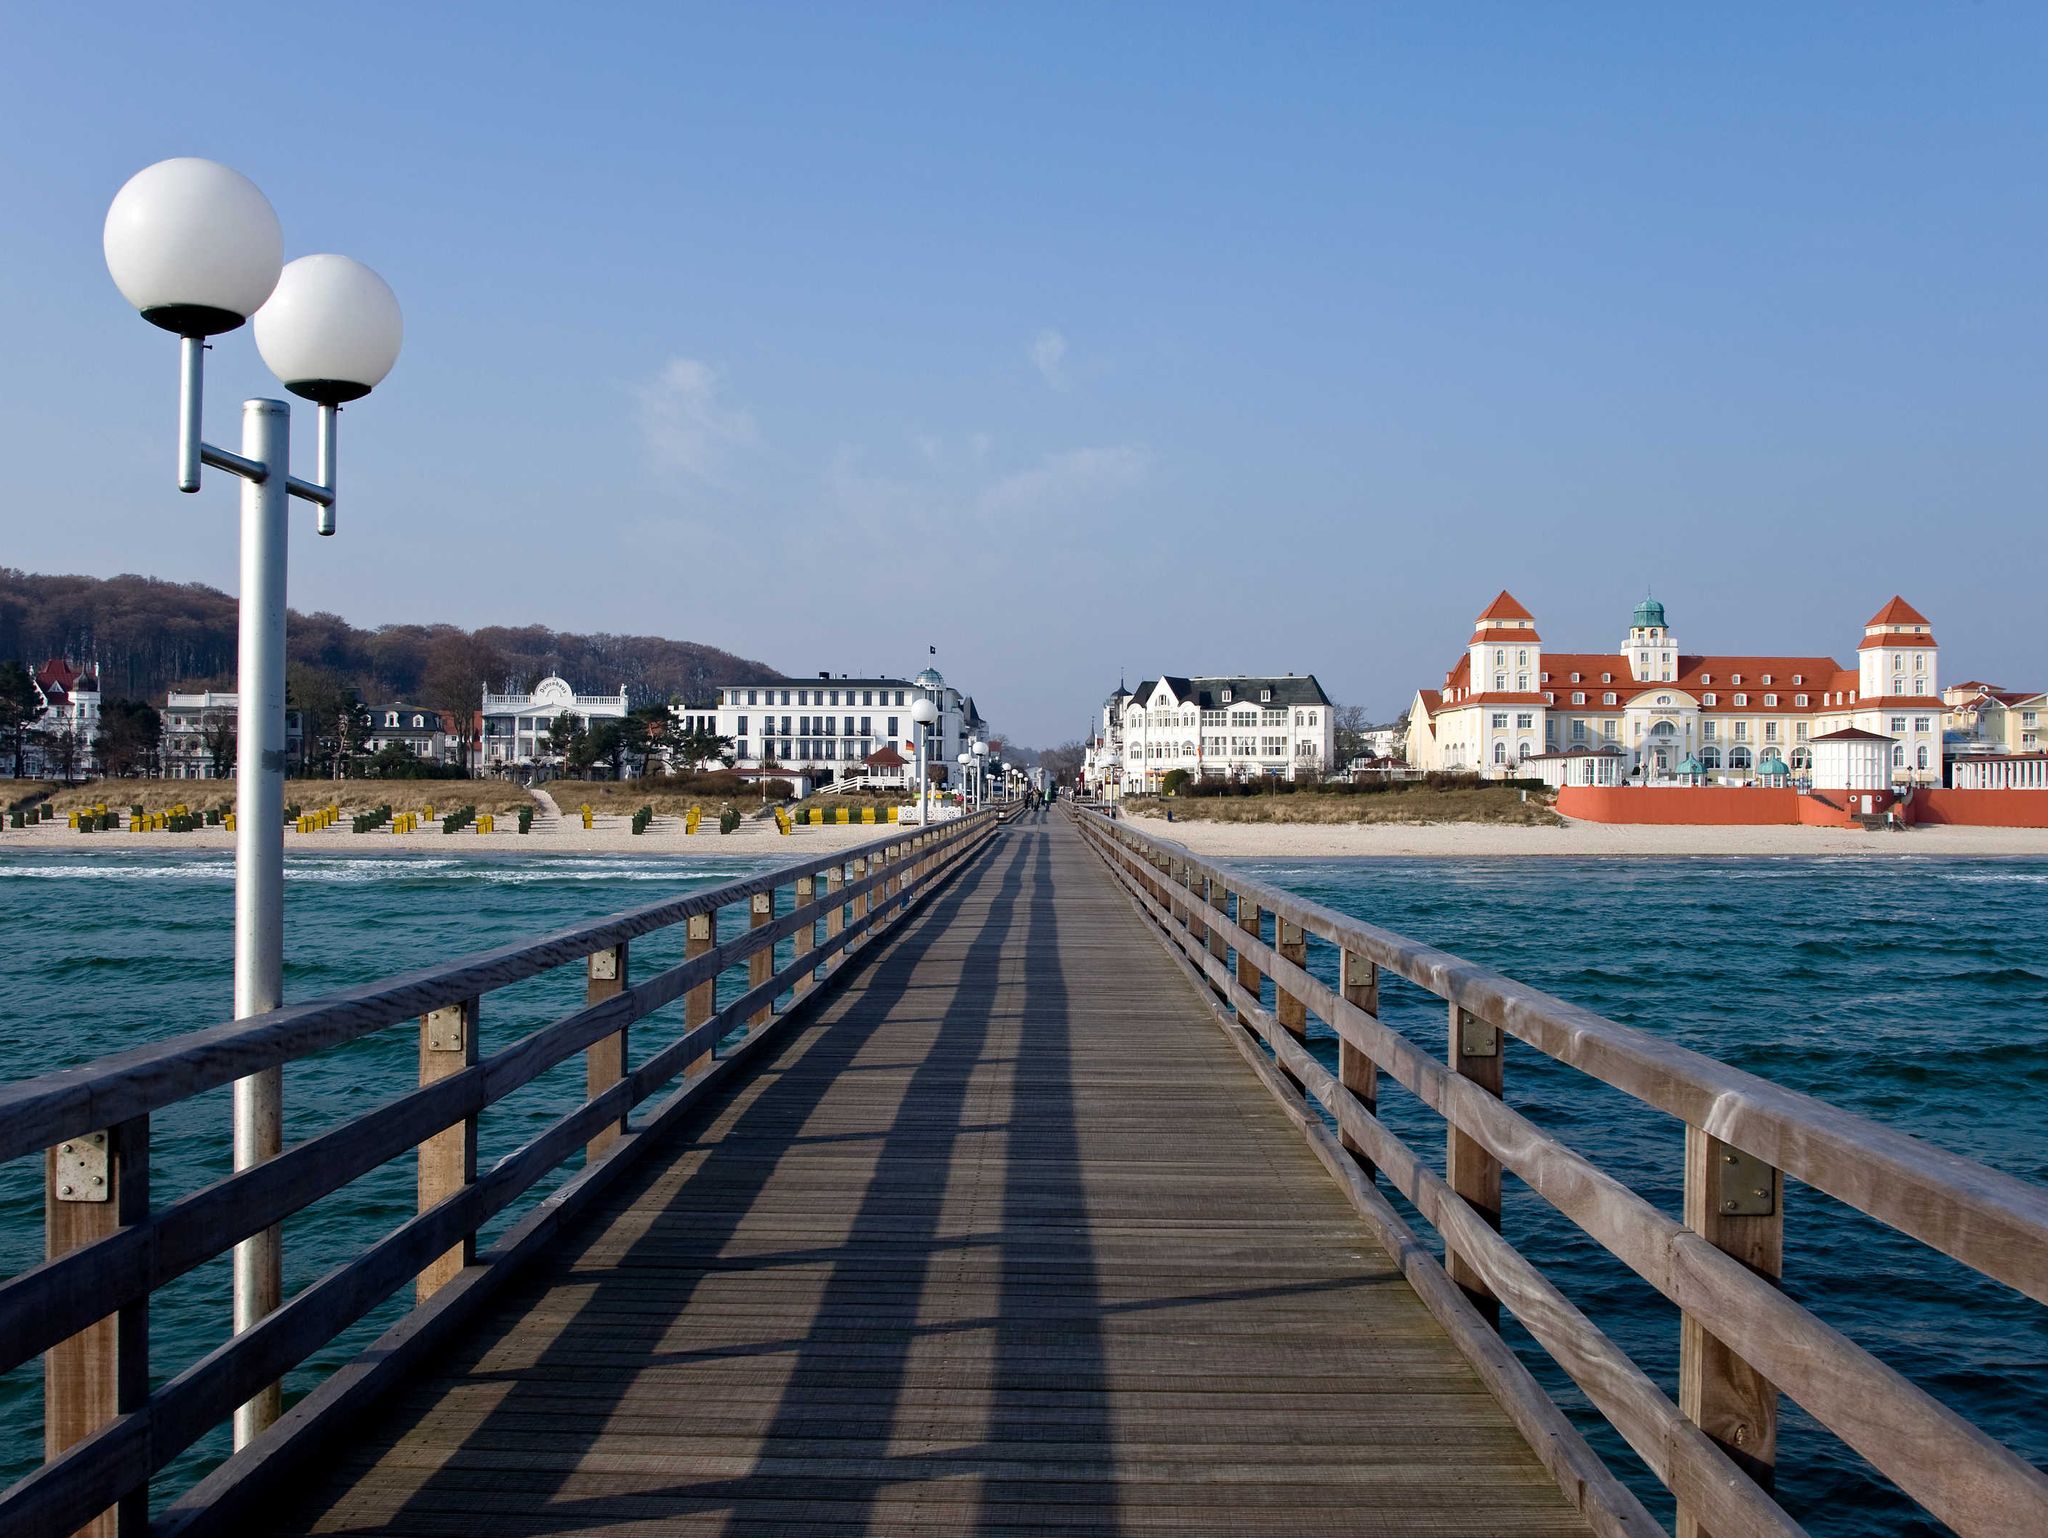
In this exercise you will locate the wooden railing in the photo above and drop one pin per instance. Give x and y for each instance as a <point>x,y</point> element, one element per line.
<point>86,1308</point>
<point>1742,1339</point>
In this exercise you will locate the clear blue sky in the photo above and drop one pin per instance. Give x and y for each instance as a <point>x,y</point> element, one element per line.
<point>1089,340</point>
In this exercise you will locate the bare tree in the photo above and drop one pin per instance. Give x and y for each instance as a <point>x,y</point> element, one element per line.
<point>217,738</point>
<point>1350,725</point>
<point>1063,763</point>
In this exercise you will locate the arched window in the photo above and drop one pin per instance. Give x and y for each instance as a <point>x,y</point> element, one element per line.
<point>1738,758</point>
<point>1710,757</point>
<point>1921,756</point>
<point>1802,758</point>
<point>1525,751</point>
<point>1898,755</point>
<point>1500,752</point>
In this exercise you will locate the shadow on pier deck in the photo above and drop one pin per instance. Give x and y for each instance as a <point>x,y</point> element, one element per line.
<point>1007,1238</point>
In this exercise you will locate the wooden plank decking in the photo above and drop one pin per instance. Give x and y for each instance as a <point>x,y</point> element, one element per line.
<point>1009,1239</point>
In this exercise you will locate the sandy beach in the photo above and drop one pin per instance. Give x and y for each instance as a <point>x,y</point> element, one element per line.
<point>1465,840</point>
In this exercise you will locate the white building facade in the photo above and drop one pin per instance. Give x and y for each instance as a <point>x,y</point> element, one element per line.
<point>1238,727</point>
<point>516,726</point>
<point>827,726</point>
<point>199,722</point>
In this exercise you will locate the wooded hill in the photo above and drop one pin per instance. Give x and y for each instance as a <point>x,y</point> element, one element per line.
<point>149,636</point>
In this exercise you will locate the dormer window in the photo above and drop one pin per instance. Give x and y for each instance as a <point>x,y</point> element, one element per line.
<point>391,718</point>
<point>1607,678</point>
<point>1767,678</point>
<point>1575,678</point>
<point>1265,696</point>
<point>1706,678</point>
<point>1741,699</point>
<point>1798,678</point>
<point>1799,699</point>
<point>1226,696</point>
<point>1707,699</point>
<point>1770,700</point>
<point>1735,678</point>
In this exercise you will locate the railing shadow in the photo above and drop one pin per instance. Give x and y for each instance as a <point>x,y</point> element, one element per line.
<point>822,1425</point>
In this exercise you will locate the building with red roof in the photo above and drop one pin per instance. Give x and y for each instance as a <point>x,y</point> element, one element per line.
<point>1670,714</point>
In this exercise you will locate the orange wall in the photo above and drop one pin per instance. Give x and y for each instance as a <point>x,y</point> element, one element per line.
<point>1982,808</point>
<point>1722,805</point>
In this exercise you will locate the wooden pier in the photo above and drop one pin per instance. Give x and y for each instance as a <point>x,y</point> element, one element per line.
<point>1002,1195</point>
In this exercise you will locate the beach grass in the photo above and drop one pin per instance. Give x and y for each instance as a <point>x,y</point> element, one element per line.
<point>1501,805</point>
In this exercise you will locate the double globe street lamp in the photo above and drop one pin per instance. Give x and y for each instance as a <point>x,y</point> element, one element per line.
<point>923,713</point>
<point>197,248</point>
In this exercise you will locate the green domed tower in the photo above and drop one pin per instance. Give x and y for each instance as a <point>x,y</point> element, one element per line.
<point>1651,652</point>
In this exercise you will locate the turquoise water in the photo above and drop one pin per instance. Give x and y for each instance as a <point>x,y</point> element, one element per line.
<point>1911,990</point>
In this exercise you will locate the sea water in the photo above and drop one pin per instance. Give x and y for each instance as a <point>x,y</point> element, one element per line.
<point>1910,990</point>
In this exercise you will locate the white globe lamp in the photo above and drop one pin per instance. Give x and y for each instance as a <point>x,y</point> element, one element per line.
<point>332,329</point>
<point>193,245</point>
<point>924,712</point>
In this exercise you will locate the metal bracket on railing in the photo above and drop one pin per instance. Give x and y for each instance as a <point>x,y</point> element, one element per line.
<point>1476,1037</point>
<point>444,1029</point>
<point>1743,1184</point>
<point>82,1169</point>
<point>604,965</point>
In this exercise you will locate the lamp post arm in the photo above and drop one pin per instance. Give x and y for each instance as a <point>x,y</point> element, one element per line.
<point>193,451</point>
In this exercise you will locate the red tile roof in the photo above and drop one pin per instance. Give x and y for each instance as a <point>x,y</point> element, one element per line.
<point>1492,633</point>
<point>1505,607</point>
<point>1899,612</point>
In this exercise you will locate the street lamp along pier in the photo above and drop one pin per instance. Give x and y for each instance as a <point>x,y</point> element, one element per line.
<point>197,249</point>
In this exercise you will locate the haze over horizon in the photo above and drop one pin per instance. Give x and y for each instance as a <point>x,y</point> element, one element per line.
<point>1088,343</point>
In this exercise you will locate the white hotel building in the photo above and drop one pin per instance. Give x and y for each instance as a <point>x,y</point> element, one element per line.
<point>1238,727</point>
<point>516,726</point>
<point>1649,710</point>
<point>827,726</point>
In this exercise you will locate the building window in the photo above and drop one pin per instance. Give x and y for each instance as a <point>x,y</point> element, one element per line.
<point>1607,699</point>
<point>1741,699</point>
<point>1500,752</point>
<point>1607,678</point>
<point>1799,731</point>
<point>1735,678</point>
<point>1799,700</point>
<point>1575,678</point>
<point>1709,730</point>
<point>1524,721</point>
<point>1898,756</point>
<point>1500,720</point>
<point>1920,758</point>
<point>1742,731</point>
<point>1770,731</point>
<point>1707,699</point>
<point>1770,700</point>
<point>1898,723</point>
<point>1500,683</point>
<point>1500,657</point>
<point>1579,698</point>
<point>1920,725</point>
<point>1767,678</point>
<point>1521,659</point>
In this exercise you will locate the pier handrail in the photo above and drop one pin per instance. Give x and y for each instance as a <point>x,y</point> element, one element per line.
<point>86,1307</point>
<point>1742,1339</point>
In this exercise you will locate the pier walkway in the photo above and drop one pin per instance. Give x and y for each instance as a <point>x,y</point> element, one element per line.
<point>1007,1239</point>
<point>1019,1173</point>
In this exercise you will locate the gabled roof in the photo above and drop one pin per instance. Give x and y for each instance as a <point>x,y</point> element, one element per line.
<point>1207,693</point>
<point>886,757</point>
<point>1898,612</point>
<point>1854,734</point>
<point>1505,607</point>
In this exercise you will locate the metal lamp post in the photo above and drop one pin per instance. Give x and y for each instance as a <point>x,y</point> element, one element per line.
<point>922,714</point>
<point>196,247</point>
<point>966,776</point>
<point>979,749</point>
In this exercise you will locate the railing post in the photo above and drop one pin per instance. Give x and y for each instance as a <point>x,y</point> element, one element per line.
<point>92,1186</point>
<point>604,1060</point>
<point>1736,1202</point>
<point>860,900</point>
<point>1472,1172</point>
<point>761,963</point>
<point>1249,977</point>
<point>448,1158</point>
<point>702,1000</point>
<point>805,938</point>
<point>1359,981</point>
<point>835,914</point>
<point>1291,941</point>
<point>1219,903</point>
